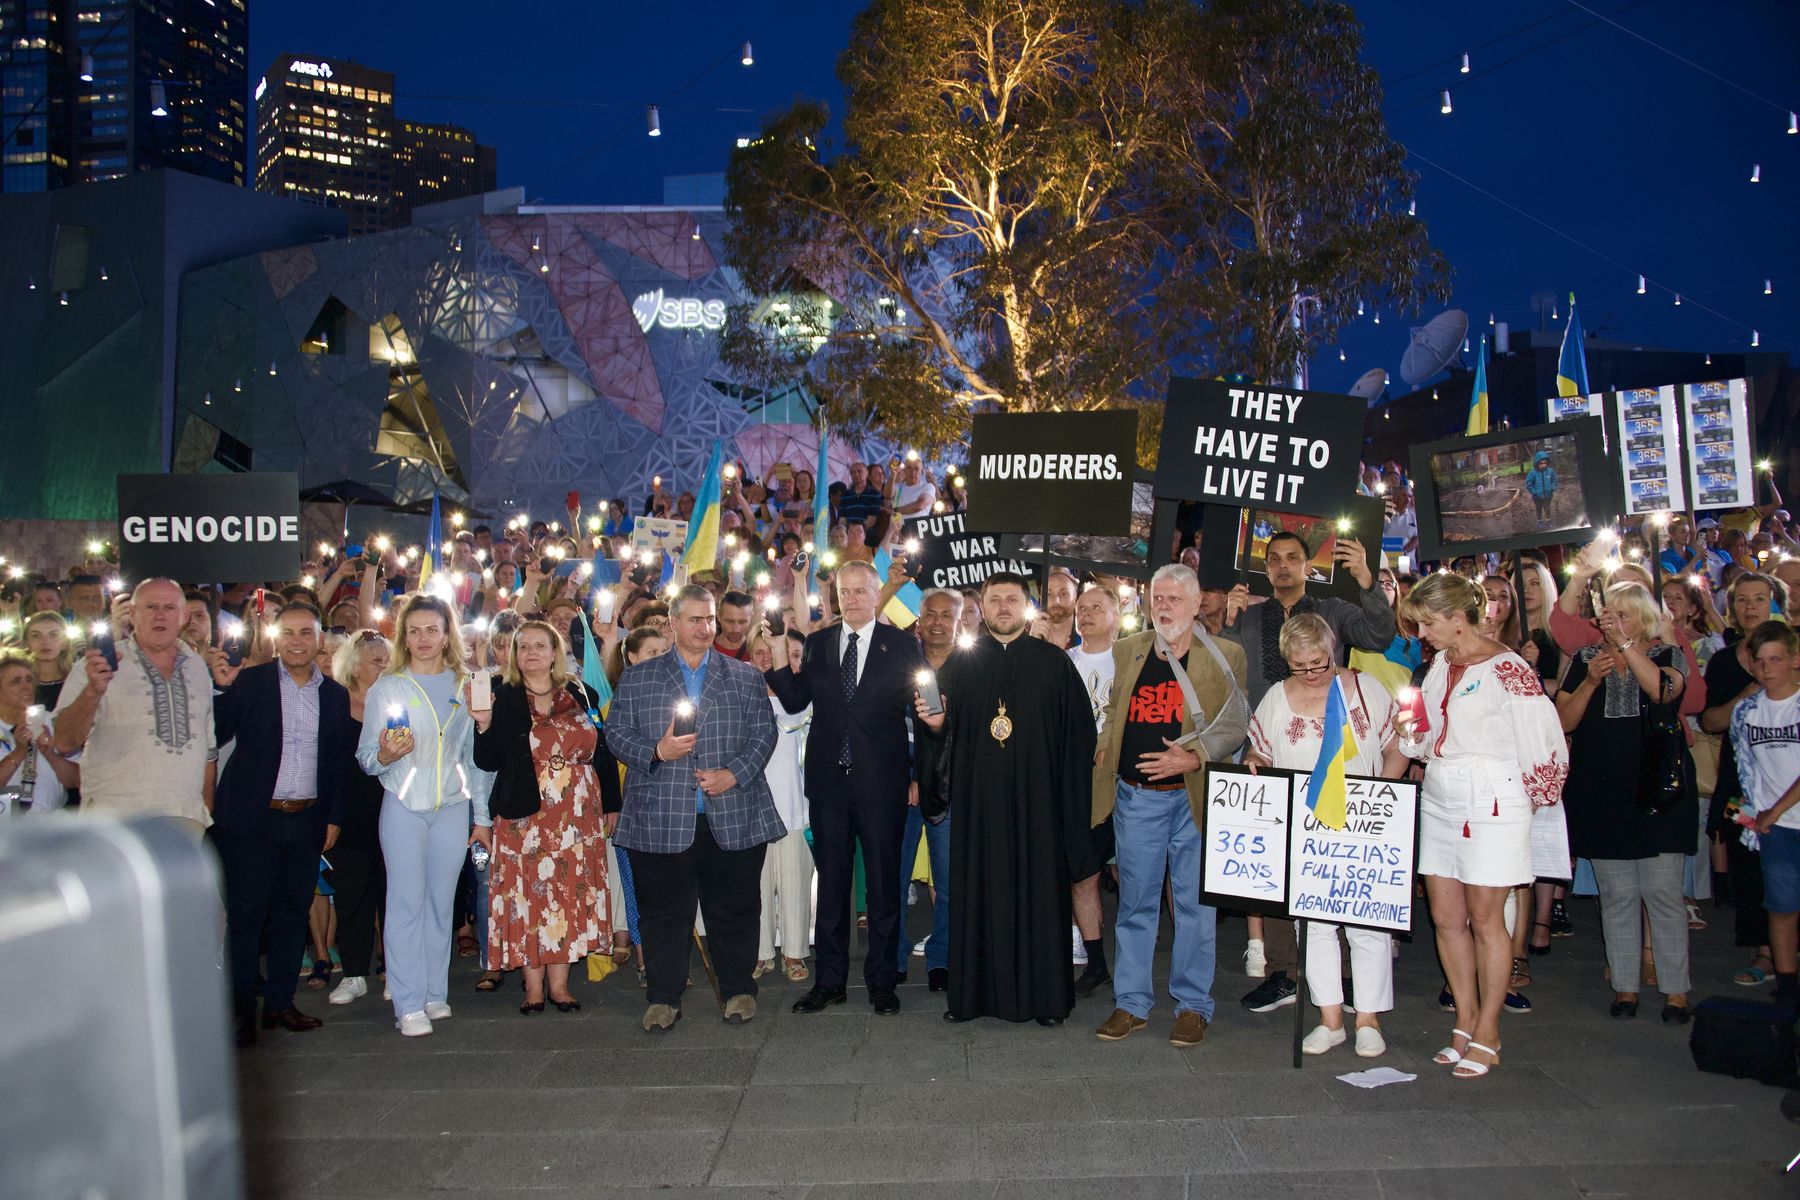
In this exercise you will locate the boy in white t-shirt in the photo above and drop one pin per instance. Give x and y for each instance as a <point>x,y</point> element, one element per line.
<point>1765,734</point>
<point>1097,621</point>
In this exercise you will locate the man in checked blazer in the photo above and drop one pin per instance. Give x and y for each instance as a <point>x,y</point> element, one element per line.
<point>698,814</point>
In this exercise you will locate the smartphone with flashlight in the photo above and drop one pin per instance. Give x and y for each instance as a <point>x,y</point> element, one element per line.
<point>481,691</point>
<point>233,645</point>
<point>686,719</point>
<point>933,699</point>
<point>604,605</point>
<point>100,638</point>
<point>801,559</point>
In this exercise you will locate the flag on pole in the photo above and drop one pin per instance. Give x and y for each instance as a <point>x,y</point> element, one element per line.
<point>821,510</point>
<point>1325,791</point>
<point>433,562</point>
<point>1478,394</point>
<point>593,671</point>
<point>702,551</point>
<point>1571,365</point>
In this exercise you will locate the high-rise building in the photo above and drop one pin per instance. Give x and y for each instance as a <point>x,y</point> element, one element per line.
<point>326,133</point>
<point>438,162</point>
<point>99,89</point>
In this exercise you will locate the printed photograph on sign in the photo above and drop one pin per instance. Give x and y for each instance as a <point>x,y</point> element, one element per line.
<point>1719,449</point>
<point>1234,545</point>
<point>1546,485</point>
<point>1124,555</point>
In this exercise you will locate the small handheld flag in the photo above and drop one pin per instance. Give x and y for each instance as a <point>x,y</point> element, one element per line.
<point>1325,790</point>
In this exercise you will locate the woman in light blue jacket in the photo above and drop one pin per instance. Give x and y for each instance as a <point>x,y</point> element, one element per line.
<point>418,740</point>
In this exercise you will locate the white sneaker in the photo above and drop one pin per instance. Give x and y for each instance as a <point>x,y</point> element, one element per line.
<point>350,987</point>
<point>1370,1043</point>
<point>413,1025</point>
<point>437,1010</point>
<point>1322,1039</point>
<point>1256,964</point>
<point>1079,955</point>
<point>918,950</point>
<point>386,992</point>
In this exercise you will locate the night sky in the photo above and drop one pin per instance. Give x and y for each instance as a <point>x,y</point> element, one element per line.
<point>1611,141</point>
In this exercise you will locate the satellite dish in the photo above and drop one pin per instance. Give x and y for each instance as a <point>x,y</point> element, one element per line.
<point>1370,384</point>
<point>1435,346</point>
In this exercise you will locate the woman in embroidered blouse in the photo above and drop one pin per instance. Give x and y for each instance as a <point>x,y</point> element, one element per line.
<point>1638,858</point>
<point>1489,764</point>
<point>1286,732</point>
<point>417,738</point>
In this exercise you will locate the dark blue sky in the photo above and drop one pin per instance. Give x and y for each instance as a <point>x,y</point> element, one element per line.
<point>1611,141</point>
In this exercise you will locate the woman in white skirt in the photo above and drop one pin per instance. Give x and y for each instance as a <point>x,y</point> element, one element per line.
<point>787,874</point>
<point>1287,732</point>
<point>1494,754</point>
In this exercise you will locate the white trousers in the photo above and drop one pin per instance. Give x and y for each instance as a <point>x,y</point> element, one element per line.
<point>1371,966</point>
<point>787,876</point>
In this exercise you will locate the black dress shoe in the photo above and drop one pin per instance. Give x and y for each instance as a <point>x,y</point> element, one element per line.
<point>885,1002</point>
<point>956,1018</point>
<point>566,1005</point>
<point>938,979</point>
<point>1091,979</point>
<point>1623,1008</point>
<point>819,999</point>
<point>1049,1022</point>
<point>291,1019</point>
<point>528,1008</point>
<point>1677,1014</point>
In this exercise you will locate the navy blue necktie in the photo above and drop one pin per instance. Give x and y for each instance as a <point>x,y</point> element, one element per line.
<point>848,669</point>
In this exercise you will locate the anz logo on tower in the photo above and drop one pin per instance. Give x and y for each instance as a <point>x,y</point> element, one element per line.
<point>652,308</point>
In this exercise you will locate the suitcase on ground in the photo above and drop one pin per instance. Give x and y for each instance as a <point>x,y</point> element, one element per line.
<point>114,1040</point>
<point>1741,1038</point>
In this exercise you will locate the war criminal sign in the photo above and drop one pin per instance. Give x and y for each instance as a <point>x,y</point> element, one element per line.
<point>1274,448</point>
<point>949,556</point>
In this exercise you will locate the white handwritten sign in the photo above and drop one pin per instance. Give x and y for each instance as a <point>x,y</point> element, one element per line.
<point>1363,873</point>
<point>1243,861</point>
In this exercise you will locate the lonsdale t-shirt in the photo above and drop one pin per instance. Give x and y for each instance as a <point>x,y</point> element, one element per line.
<point>1154,713</point>
<point>1772,738</point>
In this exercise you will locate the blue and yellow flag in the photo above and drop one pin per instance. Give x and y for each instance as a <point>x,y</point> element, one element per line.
<point>821,509</point>
<point>1571,366</point>
<point>1325,794</point>
<point>702,551</point>
<point>593,670</point>
<point>433,561</point>
<point>903,608</point>
<point>1478,394</point>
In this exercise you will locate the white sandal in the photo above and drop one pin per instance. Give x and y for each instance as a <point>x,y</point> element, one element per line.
<point>1450,1055</point>
<point>1467,1069</point>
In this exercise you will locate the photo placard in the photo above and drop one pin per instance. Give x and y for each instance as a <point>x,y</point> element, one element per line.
<point>1234,540</point>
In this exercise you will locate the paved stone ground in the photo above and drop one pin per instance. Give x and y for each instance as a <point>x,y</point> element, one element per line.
<point>849,1104</point>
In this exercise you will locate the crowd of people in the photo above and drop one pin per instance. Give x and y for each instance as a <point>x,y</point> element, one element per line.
<point>394,772</point>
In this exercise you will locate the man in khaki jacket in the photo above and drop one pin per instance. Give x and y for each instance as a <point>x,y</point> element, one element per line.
<point>1147,777</point>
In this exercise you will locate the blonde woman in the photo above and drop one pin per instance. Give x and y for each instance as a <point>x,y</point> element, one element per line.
<point>418,740</point>
<point>554,801</point>
<point>1638,857</point>
<point>787,873</point>
<point>52,656</point>
<point>1494,754</point>
<point>358,875</point>
<point>1286,732</point>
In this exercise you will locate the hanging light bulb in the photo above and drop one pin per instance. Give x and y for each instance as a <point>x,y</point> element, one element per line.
<point>1794,122</point>
<point>159,99</point>
<point>1412,208</point>
<point>1640,285</point>
<point>696,233</point>
<point>1378,318</point>
<point>31,283</point>
<point>746,57</point>
<point>103,275</point>
<point>1755,339</point>
<point>1768,287</point>
<point>62,298</point>
<point>87,67</point>
<point>1755,172</point>
<point>208,399</point>
<point>1359,308</point>
<point>1490,318</point>
<point>1445,106</point>
<point>1465,63</point>
<point>271,369</point>
<point>237,385</point>
<point>1555,313</point>
<point>653,121</point>
<point>1340,356</point>
<point>1677,299</point>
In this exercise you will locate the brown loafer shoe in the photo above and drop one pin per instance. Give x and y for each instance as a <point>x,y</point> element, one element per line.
<point>660,1018</point>
<point>1119,1026</point>
<point>291,1019</point>
<point>1190,1029</point>
<point>739,1009</point>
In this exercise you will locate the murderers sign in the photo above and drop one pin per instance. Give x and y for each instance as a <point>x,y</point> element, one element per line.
<point>230,528</point>
<point>1052,472</point>
<point>949,556</point>
<point>1246,445</point>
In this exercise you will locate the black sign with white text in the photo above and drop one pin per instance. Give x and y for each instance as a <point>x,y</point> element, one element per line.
<point>1052,472</point>
<point>949,556</point>
<point>207,528</point>
<point>1262,447</point>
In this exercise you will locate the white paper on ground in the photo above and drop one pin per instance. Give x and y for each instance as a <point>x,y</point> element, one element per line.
<point>1376,1077</point>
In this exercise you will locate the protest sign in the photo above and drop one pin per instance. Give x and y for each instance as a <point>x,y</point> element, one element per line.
<point>1052,472</point>
<point>1718,441</point>
<point>949,556</point>
<point>659,534</point>
<point>1279,448</point>
<point>1235,544</point>
<point>1243,855</point>
<point>1361,874</point>
<point>235,528</point>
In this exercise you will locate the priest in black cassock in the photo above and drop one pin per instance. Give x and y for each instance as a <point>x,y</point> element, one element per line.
<point>1017,764</point>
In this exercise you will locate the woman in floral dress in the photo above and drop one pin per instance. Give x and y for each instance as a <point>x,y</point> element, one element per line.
<point>556,799</point>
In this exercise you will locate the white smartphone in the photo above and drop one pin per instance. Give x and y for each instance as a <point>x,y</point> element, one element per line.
<point>481,691</point>
<point>604,605</point>
<point>37,721</point>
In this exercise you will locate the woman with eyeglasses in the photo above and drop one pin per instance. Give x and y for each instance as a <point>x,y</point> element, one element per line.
<point>419,741</point>
<point>1287,732</point>
<point>358,876</point>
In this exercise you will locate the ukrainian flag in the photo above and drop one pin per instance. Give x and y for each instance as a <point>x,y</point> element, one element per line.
<point>1478,394</point>
<point>1571,366</point>
<point>903,608</point>
<point>702,551</point>
<point>593,671</point>
<point>1325,793</point>
<point>433,562</point>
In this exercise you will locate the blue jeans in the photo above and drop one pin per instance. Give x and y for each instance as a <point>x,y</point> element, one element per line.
<point>1155,830</point>
<point>937,847</point>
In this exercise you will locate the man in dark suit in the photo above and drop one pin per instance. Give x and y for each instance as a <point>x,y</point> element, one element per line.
<point>859,677</point>
<point>278,806</point>
<point>698,815</point>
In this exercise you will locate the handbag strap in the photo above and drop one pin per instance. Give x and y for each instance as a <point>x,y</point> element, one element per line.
<point>1233,694</point>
